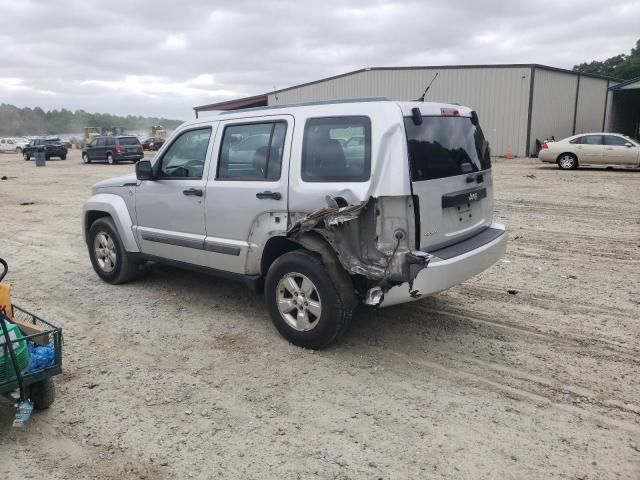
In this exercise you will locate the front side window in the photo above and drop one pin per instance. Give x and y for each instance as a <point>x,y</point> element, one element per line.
<point>615,141</point>
<point>337,149</point>
<point>445,147</point>
<point>186,156</point>
<point>252,151</point>
<point>100,142</point>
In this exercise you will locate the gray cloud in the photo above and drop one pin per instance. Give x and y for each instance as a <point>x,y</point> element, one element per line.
<point>162,58</point>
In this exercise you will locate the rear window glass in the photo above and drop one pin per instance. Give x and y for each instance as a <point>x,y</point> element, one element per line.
<point>51,141</point>
<point>128,141</point>
<point>445,146</point>
<point>337,149</point>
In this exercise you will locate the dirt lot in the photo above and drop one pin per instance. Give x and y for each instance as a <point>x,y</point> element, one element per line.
<point>183,376</point>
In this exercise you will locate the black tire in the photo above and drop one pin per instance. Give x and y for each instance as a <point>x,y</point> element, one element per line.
<point>124,270</point>
<point>567,161</point>
<point>335,317</point>
<point>110,159</point>
<point>85,158</point>
<point>43,394</point>
<point>63,157</point>
<point>26,156</point>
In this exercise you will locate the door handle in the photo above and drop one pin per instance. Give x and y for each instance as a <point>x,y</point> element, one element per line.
<point>196,192</point>
<point>268,194</point>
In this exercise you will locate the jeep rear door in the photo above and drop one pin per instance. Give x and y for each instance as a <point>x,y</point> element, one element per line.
<point>247,192</point>
<point>450,176</point>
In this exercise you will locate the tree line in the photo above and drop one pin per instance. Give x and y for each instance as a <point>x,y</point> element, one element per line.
<point>620,66</point>
<point>16,122</point>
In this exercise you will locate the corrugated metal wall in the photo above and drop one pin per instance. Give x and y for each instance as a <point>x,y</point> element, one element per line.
<point>592,100</point>
<point>554,101</point>
<point>499,95</point>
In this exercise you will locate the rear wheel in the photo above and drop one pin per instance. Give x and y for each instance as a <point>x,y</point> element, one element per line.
<point>42,394</point>
<point>110,159</point>
<point>19,151</point>
<point>303,301</point>
<point>107,253</point>
<point>26,156</point>
<point>567,161</point>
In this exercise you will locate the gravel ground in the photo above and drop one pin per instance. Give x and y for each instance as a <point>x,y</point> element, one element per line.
<point>179,375</point>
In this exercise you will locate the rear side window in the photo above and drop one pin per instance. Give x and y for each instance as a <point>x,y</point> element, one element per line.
<point>445,147</point>
<point>589,140</point>
<point>337,149</point>
<point>252,151</point>
<point>128,141</point>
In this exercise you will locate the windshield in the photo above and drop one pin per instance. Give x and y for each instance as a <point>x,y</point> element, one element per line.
<point>445,146</point>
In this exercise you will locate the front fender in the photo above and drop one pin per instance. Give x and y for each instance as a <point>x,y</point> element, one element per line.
<point>117,210</point>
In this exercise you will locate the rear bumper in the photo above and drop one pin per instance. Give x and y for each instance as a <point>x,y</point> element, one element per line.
<point>546,157</point>
<point>442,274</point>
<point>128,156</point>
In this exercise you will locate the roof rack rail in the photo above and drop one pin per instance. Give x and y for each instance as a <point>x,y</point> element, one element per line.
<point>307,104</point>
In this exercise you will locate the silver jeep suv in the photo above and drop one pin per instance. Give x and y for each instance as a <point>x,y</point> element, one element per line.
<point>322,207</point>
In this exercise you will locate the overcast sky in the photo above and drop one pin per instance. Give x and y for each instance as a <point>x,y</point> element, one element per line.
<point>164,57</point>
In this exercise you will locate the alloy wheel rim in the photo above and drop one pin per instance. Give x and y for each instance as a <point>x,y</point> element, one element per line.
<point>298,302</point>
<point>105,252</point>
<point>566,161</point>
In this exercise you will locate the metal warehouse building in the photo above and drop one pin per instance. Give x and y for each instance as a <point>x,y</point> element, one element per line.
<point>517,104</point>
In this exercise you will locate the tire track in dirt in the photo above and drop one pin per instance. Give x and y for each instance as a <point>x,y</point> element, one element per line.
<point>458,371</point>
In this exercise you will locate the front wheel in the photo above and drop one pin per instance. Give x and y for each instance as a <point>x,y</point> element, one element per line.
<point>85,158</point>
<point>63,157</point>
<point>303,301</point>
<point>107,253</point>
<point>19,151</point>
<point>567,161</point>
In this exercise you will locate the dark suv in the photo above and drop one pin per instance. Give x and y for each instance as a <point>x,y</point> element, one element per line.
<point>113,150</point>
<point>52,147</point>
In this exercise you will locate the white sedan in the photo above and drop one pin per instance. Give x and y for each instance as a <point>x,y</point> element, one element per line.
<point>597,149</point>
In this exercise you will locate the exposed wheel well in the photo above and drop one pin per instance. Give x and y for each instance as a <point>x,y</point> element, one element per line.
<point>92,216</point>
<point>275,247</point>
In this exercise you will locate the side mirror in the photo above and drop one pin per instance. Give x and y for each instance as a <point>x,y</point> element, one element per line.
<point>628,144</point>
<point>144,170</point>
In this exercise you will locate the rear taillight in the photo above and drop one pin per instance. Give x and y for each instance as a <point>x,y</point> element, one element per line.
<point>118,149</point>
<point>544,146</point>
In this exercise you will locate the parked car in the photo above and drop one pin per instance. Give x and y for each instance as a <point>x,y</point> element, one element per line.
<point>113,150</point>
<point>52,147</point>
<point>13,145</point>
<point>596,149</point>
<point>320,233</point>
<point>152,143</point>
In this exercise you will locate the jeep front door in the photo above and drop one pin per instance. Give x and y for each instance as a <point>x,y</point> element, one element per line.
<point>170,208</point>
<point>246,201</point>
